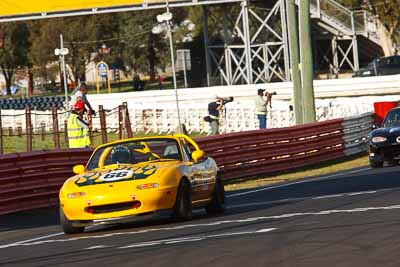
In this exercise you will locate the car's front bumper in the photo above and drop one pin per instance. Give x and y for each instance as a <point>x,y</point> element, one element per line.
<point>384,152</point>
<point>125,219</point>
<point>151,200</point>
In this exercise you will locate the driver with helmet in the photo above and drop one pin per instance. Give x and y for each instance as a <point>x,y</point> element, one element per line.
<point>120,155</point>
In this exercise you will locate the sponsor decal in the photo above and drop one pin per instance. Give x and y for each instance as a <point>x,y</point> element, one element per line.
<point>116,175</point>
<point>119,175</point>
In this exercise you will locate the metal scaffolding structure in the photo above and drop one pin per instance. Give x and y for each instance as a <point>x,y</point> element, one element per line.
<point>337,54</point>
<point>340,29</point>
<point>255,51</point>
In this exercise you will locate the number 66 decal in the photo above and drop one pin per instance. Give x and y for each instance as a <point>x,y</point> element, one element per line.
<point>116,175</point>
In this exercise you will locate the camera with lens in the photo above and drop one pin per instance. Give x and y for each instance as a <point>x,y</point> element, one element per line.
<point>225,100</point>
<point>266,93</point>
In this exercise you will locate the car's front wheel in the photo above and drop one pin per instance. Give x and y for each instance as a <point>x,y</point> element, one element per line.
<point>183,203</point>
<point>217,204</point>
<point>375,164</point>
<point>67,226</point>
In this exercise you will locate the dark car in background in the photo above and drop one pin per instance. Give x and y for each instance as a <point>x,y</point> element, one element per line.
<point>380,66</point>
<point>384,142</point>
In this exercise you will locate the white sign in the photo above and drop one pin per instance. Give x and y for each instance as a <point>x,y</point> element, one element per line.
<point>183,60</point>
<point>62,52</point>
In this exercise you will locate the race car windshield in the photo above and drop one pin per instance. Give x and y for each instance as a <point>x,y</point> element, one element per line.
<point>392,118</point>
<point>133,152</point>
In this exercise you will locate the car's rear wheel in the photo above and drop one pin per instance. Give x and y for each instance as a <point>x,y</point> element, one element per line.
<point>183,203</point>
<point>217,204</point>
<point>67,226</point>
<point>375,164</point>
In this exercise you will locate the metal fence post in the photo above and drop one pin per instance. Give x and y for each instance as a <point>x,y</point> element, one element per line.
<point>120,121</point>
<point>103,126</point>
<point>56,132</point>
<point>127,121</point>
<point>66,133</point>
<point>28,129</point>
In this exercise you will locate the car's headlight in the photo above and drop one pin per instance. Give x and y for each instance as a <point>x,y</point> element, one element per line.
<point>378,139</point>
<point>366,72</point>
<point>147,186</point>
<point>76,194</point>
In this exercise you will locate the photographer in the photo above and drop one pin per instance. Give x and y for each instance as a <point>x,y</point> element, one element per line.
<point>262,100</point>
<point>214,108</point>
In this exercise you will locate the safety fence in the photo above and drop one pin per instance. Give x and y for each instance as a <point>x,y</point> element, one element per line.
<point>35,130</point>
<point>32,180</point>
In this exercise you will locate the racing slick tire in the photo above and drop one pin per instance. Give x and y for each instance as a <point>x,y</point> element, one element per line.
<point>183,204</point>
<point>217,204</point>
<point>375,164</point>
<point>67,225</point>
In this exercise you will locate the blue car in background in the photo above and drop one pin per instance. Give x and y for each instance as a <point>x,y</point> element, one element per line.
<point>384,142</point>
<point>380,66</point>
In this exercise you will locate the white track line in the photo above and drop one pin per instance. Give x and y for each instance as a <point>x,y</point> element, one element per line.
<point>29,240</point>
<point>294,183</point>
<point>37,238</point>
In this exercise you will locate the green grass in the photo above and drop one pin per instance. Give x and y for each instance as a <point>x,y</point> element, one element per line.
<point>300,173</point>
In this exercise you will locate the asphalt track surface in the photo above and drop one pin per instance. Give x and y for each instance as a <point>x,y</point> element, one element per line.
<point>348,219</point>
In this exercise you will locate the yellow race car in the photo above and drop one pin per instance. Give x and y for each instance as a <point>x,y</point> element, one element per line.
<point>139,178</point>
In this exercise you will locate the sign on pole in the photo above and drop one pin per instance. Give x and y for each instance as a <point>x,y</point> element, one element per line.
<point>103,72</point>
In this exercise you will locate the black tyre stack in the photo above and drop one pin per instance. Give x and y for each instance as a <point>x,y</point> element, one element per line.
<point>41,103</point>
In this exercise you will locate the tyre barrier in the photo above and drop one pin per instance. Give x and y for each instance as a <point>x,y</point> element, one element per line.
<point>32,180</point>
<point>41,103</point>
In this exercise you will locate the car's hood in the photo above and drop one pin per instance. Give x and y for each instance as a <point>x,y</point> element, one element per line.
<point>387,131</point>
<point>118,174</point>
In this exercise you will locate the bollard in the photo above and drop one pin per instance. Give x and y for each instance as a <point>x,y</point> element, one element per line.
<point>19,131</point>
<point>42,131</point>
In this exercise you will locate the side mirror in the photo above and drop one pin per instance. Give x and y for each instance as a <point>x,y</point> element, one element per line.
<point>78,169</point>
<point>198,155</point>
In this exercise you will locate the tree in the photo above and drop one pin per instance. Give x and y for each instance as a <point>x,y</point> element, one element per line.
<point>14,51</point>
<point>145,45</point>
<point>387,11</point>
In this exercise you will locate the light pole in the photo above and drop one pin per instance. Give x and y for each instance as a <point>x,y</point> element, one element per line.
<point>61,53</point>
<point>167,18</point>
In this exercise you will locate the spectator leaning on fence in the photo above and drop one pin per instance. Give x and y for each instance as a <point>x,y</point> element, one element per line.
<point>81,95</point>
<point>213,111</point>
<point>78,129</point>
